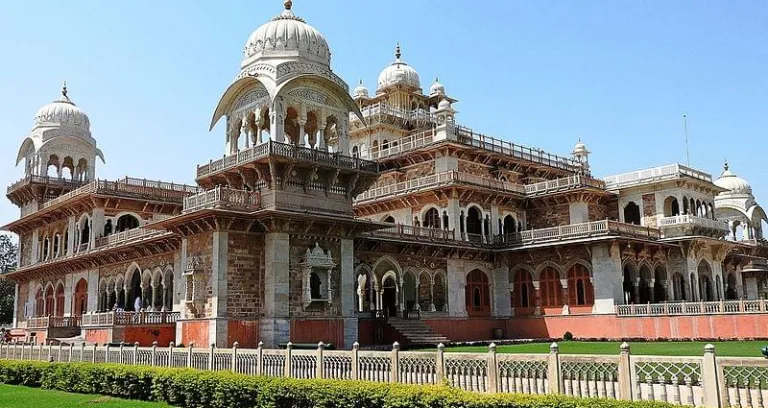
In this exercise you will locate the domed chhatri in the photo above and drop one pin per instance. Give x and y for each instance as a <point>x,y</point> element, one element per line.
<point>361,91</point>
<point>62,112</point>
<point>733,183</point>
<point>437,89</point>
<point>398,73</point>
<point>287,37</point>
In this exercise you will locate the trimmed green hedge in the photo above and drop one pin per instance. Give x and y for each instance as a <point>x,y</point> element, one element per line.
<point>198,389</point>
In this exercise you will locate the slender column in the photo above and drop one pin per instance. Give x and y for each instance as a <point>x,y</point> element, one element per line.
<point>537,297</point>
<point>466,234</point>
<point>302,136</point>
<point>321,138</point>
<point>432,307</point>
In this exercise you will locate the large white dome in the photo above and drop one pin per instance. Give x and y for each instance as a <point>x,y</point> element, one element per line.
<point>398,73</point>
<point>733,183</point>
<point>62,112</point>
<point>287,37</point>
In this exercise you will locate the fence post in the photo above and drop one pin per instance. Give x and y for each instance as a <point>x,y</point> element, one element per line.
<point>170,354</point>
<point>189,355</point>
<point>71,351</point>
<point>709,383</point>
<point>93,356</point>
<point>234,356</point>
<point>136,353</point>
<point>440,364</point>
<point>21,356</point>
<point>287,367</point>
<point>154,353</point>
<point>121,354</point>
<point>211,357</point>
<point>319,364</point>
<point>61,346</point>
<point>553,370</point>
<point>493,374</point>
<point>260,355</point>
<point>625,373</point>
<point>82,352</point>
<point>106,353</point>
<point>395,363</point>
<point>356,361</point>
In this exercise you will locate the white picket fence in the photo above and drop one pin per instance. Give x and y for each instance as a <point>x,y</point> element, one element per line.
<point>706,381</point>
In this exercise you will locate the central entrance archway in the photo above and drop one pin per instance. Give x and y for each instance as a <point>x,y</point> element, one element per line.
<point>389,296</point>
<point>478,298</point>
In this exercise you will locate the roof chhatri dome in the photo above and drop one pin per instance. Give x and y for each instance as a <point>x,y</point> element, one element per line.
<point>62,112</point>
<point>398,73</point>
<point>361,91</point>
<point>733,183</point>
<point>580,149</point>
<point>286,37</point>
<point>437,89</point>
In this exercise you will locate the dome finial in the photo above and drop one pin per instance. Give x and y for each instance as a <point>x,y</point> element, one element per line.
<point>397,51</point>
<point>288,4</point>
<point>726,166</point>
<point>64,89</point>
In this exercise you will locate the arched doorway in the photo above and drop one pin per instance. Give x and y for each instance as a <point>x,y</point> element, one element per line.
<point>39,303</point>
<point>49,301</point>
<point>628,285</point>
<point>59,300</point>
<point>632,213</point>
<point>478,298</point>
<point>706,285</point>
<point>134,290</point>
<point>550,288</point>
<point>659,290</point>
<point>730,291</point>
<point>474,224</point>
<point>80,298</point>
<point>523,292</point>
<point>409,291</point>
<point>580,290</point>
<point>389,295</point>
<point>678,286</point>
<point>126,222</point>
<point>431,219</point>
<point>509,225</point>
<point>645,291</point>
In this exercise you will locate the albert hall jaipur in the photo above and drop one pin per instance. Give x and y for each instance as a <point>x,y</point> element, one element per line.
<point>371,215</point>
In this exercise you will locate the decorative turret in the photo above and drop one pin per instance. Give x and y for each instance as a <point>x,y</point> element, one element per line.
<point>581,155</point>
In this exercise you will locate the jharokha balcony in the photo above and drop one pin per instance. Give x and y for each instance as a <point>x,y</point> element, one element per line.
<point>223,198</point>
<point>686,225</point>
<point>656,174</point>
<point>141,318</point>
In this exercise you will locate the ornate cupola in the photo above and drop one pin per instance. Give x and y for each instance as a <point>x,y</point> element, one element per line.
<point>59,153</point>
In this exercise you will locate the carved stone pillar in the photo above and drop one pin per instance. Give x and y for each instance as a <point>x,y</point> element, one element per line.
<point>537,297</point>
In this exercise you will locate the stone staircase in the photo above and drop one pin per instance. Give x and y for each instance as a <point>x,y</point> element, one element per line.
<point>417,332</point>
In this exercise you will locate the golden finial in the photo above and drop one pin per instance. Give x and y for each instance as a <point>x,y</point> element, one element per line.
<point>64,89</point>
<point>397,51</point>
<point>288,4</point>
<point>726,165</point>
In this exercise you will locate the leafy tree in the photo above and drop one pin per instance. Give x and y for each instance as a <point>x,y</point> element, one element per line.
<point>8,251</point>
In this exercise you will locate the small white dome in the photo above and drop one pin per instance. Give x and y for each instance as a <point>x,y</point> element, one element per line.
<point>437,89</point>
<point>361,91</point>
<point>444,104</point>
<point>733,183</point>
<point>287,36</point>
<point>580,149</point>
<point>398,73</point>
<point>62,112</point>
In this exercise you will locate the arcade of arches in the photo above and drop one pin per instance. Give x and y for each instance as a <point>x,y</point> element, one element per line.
<point>552,290</point>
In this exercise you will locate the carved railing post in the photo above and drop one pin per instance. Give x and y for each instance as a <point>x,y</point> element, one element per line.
<point>709,379</point>
<point>211,357</point>
<point>356,361</point>
<point>93,356</point>
<point>82,352</point>
<point>395,363</point>
<point>625,373</point>
<point>106,353</point>
<point>493,374</point>
<point>260,359</point>
<point>136,353</point>
<point>154,353</point>
<point>234,356</point>
<point>120,358</point>
<point>61,347</point>
<point>553,370</point>
<point>189,354</point>
<point>287,367</point>
<point>440,364</point>
<point>170,354</point>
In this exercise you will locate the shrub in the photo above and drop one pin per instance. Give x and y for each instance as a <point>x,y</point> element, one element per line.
<point>568,336</point>
<point>203,389</point>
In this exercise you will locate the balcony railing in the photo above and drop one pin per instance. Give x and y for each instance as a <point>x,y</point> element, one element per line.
<point>55,181</point>
<point>438,179</point>
<point>668,172</point>
<point>273,148</point>
<point>562,184</point>
<point>115,318</point>
<point>400,231</point>
<point>402,145</point>
<point>223,198</point>
<point>385,109</point>
<point>692,220</point>
<point>693,308</point>
<point>469,137</point>
<point>577,231</point>
<point>46,322</point>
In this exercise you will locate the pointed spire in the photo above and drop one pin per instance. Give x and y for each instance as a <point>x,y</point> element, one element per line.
<point>397,51</point>
<point>288,4</point>
<point>64,90</point>
<point>726,166</point>
<point>361,82</point>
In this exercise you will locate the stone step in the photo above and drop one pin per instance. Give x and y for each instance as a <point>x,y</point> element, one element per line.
<point>417,332</point>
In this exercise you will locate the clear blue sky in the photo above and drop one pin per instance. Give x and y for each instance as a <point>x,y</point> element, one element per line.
<point>619,74</point>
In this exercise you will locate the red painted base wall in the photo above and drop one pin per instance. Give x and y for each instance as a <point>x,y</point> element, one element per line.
<point>146,336</point>
<point>244,332</point>
<point>315,331</point>
<point>194,332</point>
<point>607,326</point>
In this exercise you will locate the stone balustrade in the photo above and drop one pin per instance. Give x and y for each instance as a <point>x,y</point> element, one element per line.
<point>115,318</point>
<point>404,144</point>
<point>661,173</point>
<point>381,110</point>
<point>562,184</point>
<point>693,308</point>
<point>223,198</point>
<point>47,322</point>
<point>706,380</point>
<point>287,151</point>
<point>694,221</point>
<point>52,181</point>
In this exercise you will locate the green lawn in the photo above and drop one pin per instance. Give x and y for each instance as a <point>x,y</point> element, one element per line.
<point>690,348</point>
<point>25,397</point>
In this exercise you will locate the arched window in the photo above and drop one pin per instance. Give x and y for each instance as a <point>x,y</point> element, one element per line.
<point>108,228</point>
<point>671,207</point>
<point>659,291</point>
<point>730,289</point>
<point>56,245</point>
<point>632,213</point>
<point>445,220</point>
<point>50,300</point>
<point>522,292</point>
<point>39,303</point>
<point>509,225</point>
<point>678,286</point>
<point>431,219</point>
<point>686,207</point>
<point>580,290</point>
<point>474,223</point>
<point>478,298</point>
<point>315,284</point>
<point>60,300</point>
<point>65,243</point>
<point>390,219</point>
<point>126,222</point>
<point>550,288</point>
<point>355,151</point>
<point>46,247</point>
<point>85,231</point>
<point>80,298</point>
<point>384,144</point>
